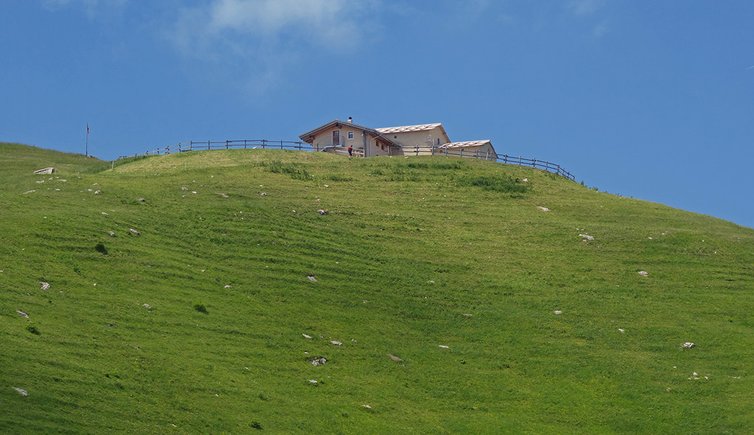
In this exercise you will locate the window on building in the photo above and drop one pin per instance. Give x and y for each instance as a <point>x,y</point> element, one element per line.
<point>350,135</point>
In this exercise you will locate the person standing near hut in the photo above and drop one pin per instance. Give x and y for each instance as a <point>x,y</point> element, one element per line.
<point>350,151</point>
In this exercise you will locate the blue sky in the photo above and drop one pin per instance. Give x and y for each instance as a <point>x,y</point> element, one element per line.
<point>649,99</point>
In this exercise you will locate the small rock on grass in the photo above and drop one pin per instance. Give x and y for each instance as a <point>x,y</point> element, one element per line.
<point>21,391</point>
<point>443,346</point>
<point>44,285</point>
<point>394,358</point>
<point>586,237</point>
<point>557,312</point>
<point>688,345</point>
<point>336,343</point>
<point>23,314</point>
<point>307,336</point>
<point>311,278</point>
<point>643,273</point>
<point>134,232</point>
<point>545,209</point>
<point>318,361</point>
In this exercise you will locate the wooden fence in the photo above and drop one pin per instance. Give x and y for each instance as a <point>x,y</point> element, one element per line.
<point>416,151</point>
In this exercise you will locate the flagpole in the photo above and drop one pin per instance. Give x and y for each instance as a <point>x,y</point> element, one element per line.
<point>87,139</point>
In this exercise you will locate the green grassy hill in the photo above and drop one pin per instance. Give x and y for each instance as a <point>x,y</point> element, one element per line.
<point>456,304</point>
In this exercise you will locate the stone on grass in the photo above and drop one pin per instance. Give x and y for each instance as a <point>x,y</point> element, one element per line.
<point>312,278</point>
<point>134,232</point>
<point>21,391</point>
<point>545,209</point>
<point>643,273</point>
<point>111,233</point>
<point>394,358</point>
<point>223,195</point>
<point>586,237</point>
<point>307,336</point>
<point>322,212</point>
<point>29,191</point>
<point>621,330</point>
<point>688,345</point>
<point>313,381</point>
<point>336,343</point>
<point>147,306</point>
<point>45,171</point>
<point>23,314</point>
<point>227,286</point>
<point>557,312</point>
<point>443,346</point>
<point>318,361</point>
<point>44,285</point>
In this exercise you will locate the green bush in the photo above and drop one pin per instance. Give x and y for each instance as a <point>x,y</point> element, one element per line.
<point>201,308</point>
<point>100,247</point>
<point>496,183</point>
<point>291,169</point>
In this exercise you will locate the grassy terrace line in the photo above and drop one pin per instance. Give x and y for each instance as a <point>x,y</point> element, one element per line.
<point>439,293</point>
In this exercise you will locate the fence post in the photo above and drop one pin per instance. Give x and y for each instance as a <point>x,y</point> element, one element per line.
<point>281,144</point>
<point>208,146</point>
<point>264,142</point>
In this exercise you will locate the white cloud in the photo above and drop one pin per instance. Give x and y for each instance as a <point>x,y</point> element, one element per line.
<point>260,39</point>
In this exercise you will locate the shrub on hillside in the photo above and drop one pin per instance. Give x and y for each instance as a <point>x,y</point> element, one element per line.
<point>291,169</point>
<point>201,308</point>
<point>100,247</point>
<point>496,183</point>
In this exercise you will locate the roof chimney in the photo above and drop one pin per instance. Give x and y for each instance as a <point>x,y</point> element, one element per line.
<point>350,120</point>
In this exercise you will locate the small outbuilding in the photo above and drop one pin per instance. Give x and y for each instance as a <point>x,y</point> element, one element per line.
<point>480,149</point>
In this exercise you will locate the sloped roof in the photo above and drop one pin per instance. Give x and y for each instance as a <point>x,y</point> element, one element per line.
<point>466,144</point>
<point>306,137</point>
<point>408,128</point>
